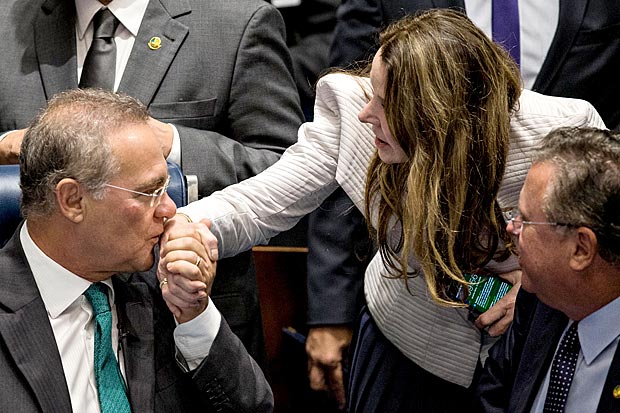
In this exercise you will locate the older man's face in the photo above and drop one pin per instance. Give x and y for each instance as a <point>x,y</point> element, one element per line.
<point>543,250</point>
<point>124,226</point>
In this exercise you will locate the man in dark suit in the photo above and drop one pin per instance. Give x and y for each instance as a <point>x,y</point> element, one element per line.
<point>581,62</point>
<point>93,179</point>
<point>568,231</point>
<point>217,74</point>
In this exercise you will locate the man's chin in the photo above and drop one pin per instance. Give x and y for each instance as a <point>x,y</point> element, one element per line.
<point>146,263</point>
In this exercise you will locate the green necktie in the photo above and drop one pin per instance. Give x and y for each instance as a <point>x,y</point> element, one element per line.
<point>110,384</point>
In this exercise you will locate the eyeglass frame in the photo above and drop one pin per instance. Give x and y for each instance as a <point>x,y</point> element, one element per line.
<point>155,195</point>
<point>517,225</point>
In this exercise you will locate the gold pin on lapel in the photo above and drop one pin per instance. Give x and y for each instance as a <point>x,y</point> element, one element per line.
<point>154,43</point>
<point>616,392</point>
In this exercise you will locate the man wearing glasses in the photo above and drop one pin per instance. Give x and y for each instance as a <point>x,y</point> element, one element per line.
<point>561,353</point>
<point>85,326</point>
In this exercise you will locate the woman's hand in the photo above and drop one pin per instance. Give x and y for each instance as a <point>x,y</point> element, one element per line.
<point>497,319</point>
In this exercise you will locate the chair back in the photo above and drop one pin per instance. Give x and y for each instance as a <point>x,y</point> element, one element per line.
<point>10,196</point>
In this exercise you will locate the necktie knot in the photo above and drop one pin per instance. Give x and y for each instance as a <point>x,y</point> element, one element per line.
<point>100,62</point>
<point>97,295</point>
<point>572,338</point>
<point>105,24</point>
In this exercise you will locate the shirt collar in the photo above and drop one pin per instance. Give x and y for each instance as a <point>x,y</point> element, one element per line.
<point>599,330</point>
<point>58,287</point>
<point>128,12</point>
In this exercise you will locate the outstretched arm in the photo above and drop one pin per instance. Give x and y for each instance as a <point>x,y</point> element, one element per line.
<point>249,213</point>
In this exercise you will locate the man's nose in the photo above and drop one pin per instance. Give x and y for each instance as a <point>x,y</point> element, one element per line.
<point>166,207</point>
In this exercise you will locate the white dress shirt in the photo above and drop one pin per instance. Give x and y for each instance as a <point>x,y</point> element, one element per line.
<point>538,21</point>
<point>71,319</point>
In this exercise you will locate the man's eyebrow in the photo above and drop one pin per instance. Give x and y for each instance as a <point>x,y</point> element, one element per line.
<point>155,183</point>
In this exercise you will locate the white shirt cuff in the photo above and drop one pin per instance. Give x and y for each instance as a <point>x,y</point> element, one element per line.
<point>195,337</point>
<point>175,151</point>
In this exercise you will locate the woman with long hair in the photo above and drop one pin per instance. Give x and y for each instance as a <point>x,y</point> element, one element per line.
<point>442,148</point>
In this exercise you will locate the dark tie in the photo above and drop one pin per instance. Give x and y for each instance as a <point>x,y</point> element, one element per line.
<point>505,26</point>
<point>562,371</point>
<point>100,63</point>
<point>110,384</point>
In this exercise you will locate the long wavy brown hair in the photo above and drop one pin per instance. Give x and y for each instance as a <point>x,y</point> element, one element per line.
<point>448,99</point>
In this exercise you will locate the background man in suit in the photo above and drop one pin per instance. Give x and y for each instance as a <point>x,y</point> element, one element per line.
<point>216,74</point>
<point>568,48</point>
<point>94,183</point>
<point>568,231</point>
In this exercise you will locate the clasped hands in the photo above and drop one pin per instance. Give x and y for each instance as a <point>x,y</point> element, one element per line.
<point>187,264</point>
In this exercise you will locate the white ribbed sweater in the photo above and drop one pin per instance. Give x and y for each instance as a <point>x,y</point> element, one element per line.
<point>336,149</point>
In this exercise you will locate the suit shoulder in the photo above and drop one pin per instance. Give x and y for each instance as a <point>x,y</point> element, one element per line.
<point>235,8</point>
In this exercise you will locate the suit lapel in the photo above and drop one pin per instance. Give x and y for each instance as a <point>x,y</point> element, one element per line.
<point>27,333</point>
<point>146,67</point>
<point>571,16</point>
<point>55,46</point>
<point>537,354</point>
<point>610,397</point>
<point>134,307</point>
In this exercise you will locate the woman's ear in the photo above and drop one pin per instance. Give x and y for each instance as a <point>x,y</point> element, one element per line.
<point>69,196</point>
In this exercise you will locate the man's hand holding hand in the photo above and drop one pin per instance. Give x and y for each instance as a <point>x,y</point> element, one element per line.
<point>188,254</point>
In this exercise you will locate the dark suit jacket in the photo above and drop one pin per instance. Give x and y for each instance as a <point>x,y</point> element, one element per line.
<point>222,76</point>
<point>309,33</point>
<point>517,364</point>
<point>31,372</point>
<point>582,62</point>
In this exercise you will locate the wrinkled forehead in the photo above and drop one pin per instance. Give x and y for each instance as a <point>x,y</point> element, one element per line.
<point>138,152</point>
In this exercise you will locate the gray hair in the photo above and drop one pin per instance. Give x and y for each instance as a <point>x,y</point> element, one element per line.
<point>68,139</point>
<point>586,183</point>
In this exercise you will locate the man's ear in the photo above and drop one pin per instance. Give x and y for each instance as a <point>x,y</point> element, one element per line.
<point>585,249</point>
<point>69,196</point>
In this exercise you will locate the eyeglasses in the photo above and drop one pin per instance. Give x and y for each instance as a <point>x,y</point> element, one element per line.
<point>514,217</point>
<point>155,196</point>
